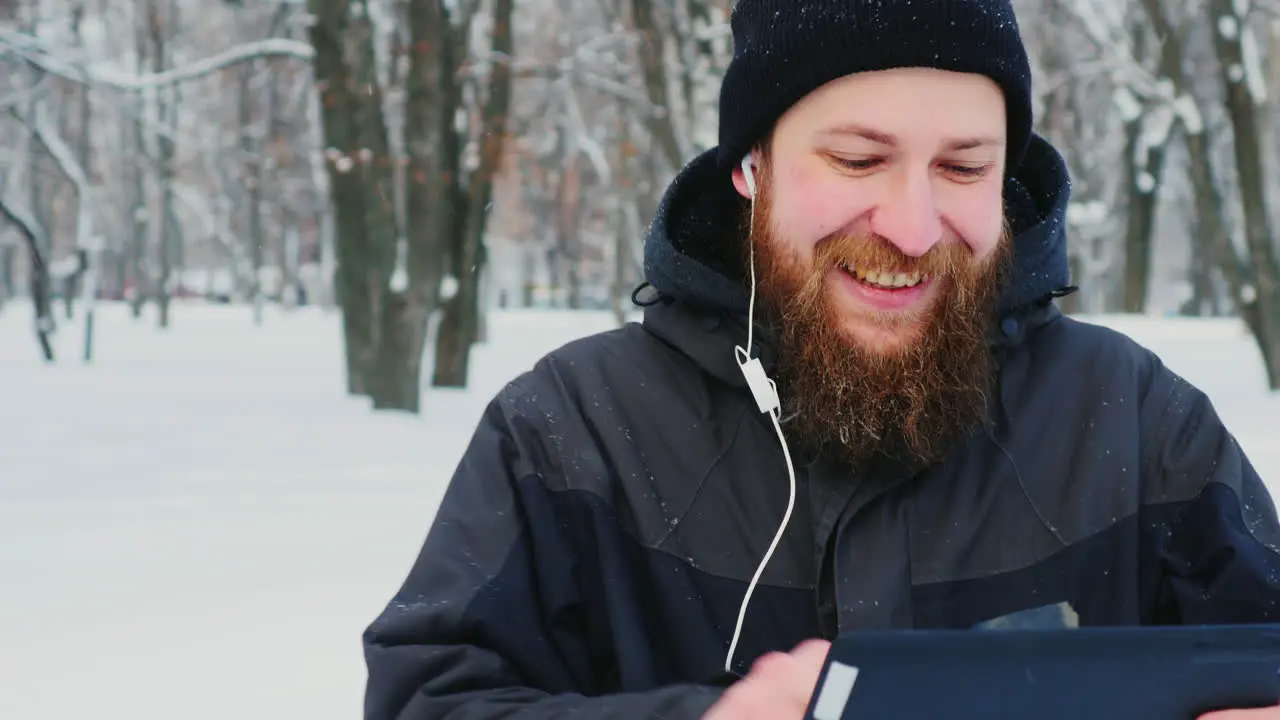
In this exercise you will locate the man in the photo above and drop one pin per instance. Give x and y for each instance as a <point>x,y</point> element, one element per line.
<point>964,456</point>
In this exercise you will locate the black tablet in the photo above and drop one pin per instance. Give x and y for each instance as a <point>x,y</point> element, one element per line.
<point>1152,673</point>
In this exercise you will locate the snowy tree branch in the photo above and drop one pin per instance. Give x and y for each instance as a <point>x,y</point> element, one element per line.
<point>582,139</point>
<point>66,158</point>
<point>26,95</point>
<point>1103,22</point>
<point>45,131</point>
<point>34,234</point>
<point>43,57</point>
<point>27,225</point>
<point>569,68</point>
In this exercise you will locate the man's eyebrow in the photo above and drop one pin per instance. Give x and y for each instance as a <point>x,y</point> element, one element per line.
<point>971,143</point>
<point>876,136</point>
<point>889,139</point>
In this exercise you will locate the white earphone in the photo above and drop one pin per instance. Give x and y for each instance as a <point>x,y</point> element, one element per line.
<point>765,393</point>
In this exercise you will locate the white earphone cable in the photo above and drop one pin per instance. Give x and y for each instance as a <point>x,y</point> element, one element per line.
<point>768,402</point>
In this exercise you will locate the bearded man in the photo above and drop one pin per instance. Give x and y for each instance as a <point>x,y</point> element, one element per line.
<point>852,405</point>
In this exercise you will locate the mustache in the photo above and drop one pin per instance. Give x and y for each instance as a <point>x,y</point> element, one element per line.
<point>858,250</point>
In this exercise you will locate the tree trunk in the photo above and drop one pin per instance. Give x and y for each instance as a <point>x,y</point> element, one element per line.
<point>77,125</point>
<point>1145,170</point>
<point>7,256</point>
<point>659,116</point>
<point>251,178</point>
<point>40,287</point>
<point>359,171</point>
<point>568,209</point>
<point>618,295</point>
<point>160,26</point>
<point>1204,297</point>
<point>459,324</point>
<point>1146,148</point>
<point>397,379</point>
<point>1240,74</point>
<point>283,229</point>
<point>139,218</point>
<point>35,237</point>
<point>431,101</point>
<point>1212,229</point>
<point>1210,205</point>
<point>627,224</point>
<point>452,355</point>
<point>337,114</point>
<point>84,152</point>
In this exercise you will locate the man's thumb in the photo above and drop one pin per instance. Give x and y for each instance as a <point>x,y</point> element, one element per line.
<point>811,654</point>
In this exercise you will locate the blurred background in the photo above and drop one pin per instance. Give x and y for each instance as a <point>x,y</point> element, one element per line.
<point>262,262</point>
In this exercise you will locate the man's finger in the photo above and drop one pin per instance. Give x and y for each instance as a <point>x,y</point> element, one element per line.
<point>812,653</point>
<point>807,659</point>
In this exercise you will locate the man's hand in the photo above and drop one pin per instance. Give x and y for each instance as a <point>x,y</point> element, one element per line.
<point>1270,713</point>
<point>778,687</point>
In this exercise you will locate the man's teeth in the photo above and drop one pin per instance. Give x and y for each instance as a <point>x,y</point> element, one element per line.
<point>886,278</point>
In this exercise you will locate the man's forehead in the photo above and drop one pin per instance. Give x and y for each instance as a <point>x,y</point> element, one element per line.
<point>958,141</point>
<point>960,111</point>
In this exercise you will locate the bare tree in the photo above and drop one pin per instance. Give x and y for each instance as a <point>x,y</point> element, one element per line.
<point>34,236</point>
<point>1240,60</point>
<point>359,174</point>
<point>1162,94</point>
<point>400,160</point>
<point>459,322</point>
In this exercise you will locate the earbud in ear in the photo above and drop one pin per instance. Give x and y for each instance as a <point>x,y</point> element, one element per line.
<point>749,172</point>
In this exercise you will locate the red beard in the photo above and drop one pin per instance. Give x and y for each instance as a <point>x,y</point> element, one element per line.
<point>912,403</point>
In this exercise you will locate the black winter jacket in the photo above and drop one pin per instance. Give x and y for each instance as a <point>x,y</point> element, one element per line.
<point>592,551</point>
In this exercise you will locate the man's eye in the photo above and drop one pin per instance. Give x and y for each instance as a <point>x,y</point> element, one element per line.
<point>969,171</point>
<point>860,164</point>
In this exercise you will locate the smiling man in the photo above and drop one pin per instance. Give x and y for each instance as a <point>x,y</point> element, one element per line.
<point>852,405</point>
<point>882,246</point>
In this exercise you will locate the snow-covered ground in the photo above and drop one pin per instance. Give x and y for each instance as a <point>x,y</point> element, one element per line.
<point>200,524</point>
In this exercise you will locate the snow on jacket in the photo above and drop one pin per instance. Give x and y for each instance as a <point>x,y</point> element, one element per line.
<point>593,549</point>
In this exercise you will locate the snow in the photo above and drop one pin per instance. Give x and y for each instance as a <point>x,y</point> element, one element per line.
<point>1156,130</point>
<point>1188,111</point>
<point>106,72</point>
<point>1083,213</point>
<point>1228,27</point>
<point>1145,182</point>
<point>399,278</point>
<point>449,286</point>
<point>1254,76</point>
<point>1126,104</point>
<point>201,524</point>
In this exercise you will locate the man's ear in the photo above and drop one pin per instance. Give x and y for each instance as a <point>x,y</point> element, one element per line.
<point>744,177</point>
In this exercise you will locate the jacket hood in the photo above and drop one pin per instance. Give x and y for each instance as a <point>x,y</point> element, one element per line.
<point>692,253</point>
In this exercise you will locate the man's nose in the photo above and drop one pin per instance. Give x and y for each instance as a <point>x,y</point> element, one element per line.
<point>907,215</point>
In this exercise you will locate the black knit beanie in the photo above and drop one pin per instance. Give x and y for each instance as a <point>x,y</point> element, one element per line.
<point>785,49</point>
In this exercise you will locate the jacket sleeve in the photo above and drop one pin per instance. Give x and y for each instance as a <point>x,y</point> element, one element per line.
<point>483,626</point>
<point>1212,520</point>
